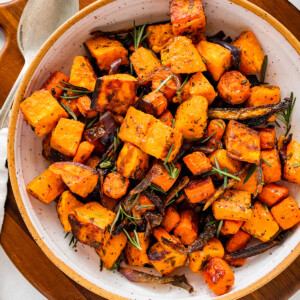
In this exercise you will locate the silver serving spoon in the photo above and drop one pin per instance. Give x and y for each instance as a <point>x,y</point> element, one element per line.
<point>39,20</point>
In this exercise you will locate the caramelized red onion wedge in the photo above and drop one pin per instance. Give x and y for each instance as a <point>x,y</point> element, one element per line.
<point>176,189</point>
<point>258,249</point>
<point>258,174</point>
<point>283,149</point>
<point>141,277</point>
<point>153,220</point>
<point>221,190</point>
<point>157,201</point>
<point>114,67</point>
<point>247,112</point>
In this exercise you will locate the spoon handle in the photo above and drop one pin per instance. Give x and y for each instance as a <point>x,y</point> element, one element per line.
<point>4,112</point>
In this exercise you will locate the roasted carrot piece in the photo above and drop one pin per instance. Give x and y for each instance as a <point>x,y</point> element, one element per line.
<point>115,186</point>
<point>167,118</point>
<point>160,233</point>
<point>272,193</point>
<point>199,189</point>
<point>291,170</point>
<point>271,165</point>
<point>198,259</point>
<point>263,95</point>
<point>46,187</point>
<point>163,179</point>
<point>233,205</point>
<point>155,103</point>
<point>267,137</point>
<point>218,276</point>
<point>262,224</point>
<point>142,205</point>
<point>217,58</point>
<point>111,251</point>
<point>65,205</point>
<point>286,213</point>
<point>84,151</point>
<point>238,241</point>
<point>92,162</point>
<point>236,262</point>
<point>252,55</point>
<point>159,36</point>
<point>134,256</point>
<point>234,87</point>
<point>84,106</point>
<point>171,219</point>
<point>51,84</point>
<point>197,162</point>
<point>187,229</point>
<point>231,227</point>
<point>215,130</point>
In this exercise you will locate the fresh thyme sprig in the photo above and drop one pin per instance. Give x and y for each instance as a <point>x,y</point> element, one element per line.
<point>133,241</point>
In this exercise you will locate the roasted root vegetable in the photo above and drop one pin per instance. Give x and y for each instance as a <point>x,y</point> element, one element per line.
<point>171,219</point>
<point>215,131</point>
<point>291,171</point>
<point>84,104</point>
<point>263,95</point>
<point>162,236</point>
<point>218,276</point>
<point>272,193</point>
<point>217,58</point>
<point>252,55</point>
<point>233,205</point>
<point>90,224</point>
<point>167,118</point>
<point>231,227</point>
<point>142,205</point>
<point>51,84</point>
<point>242,143</point>
<point>234,87</point>
<point>84,151</point>
<point>198,259</point>
<point>271,165</point>
<point>159,36</point>
<point>155,103</point>
<point>286,213</point>
<point>237,241</point>
<point>262,225</point>
<point>42,111</point>
<point>46,187</point>
<point>267,137</point>
<point>197,162</point>
<point>65,205</point>
<point>80,179</point>
<point>115,186</point>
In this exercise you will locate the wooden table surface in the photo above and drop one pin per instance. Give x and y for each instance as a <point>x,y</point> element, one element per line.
<point>16,239</point>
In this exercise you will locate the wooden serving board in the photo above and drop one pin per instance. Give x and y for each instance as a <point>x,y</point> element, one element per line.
<point>15,238</point>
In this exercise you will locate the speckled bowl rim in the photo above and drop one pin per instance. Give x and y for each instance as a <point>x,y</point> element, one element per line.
<point>11,153</point>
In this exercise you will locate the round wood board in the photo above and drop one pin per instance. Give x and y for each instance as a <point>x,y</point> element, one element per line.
<point>15,238</point>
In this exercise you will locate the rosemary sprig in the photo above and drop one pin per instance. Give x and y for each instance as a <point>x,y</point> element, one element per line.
<point>134,242</point>
<point>115,221</point>
<point>73,241</point>
<point>263,69</point>
<point>296,165</point>
<point>145,206</point>
<point>105,164</point>
<point>67,234</point>
<point>178,93</point>
<point>202,141</point>
<point>69,111</point>
<point>265,207</point>
<point>172,170</point>
<point>76,91</point>
<point>156,188</point>
<point>269,165</point>
<point>116,141</point>
<point>212,222</point>
<point>127,215</point>
<point>220,171</point>
<point>138,37</point>
<point>171,201</point>
<point>89,125</point>
<point>163,83</point>
<point>169,153</point>
<point>117,263</point>
<point>219,228</point>
<point>251,171</point>
<point>173,122</point>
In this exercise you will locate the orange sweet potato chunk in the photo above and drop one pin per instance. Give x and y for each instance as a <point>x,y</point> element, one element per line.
<point>231,227</point>
<point>167,118</point>
<point>271,165</point>
<point>84,151</point>
<point>115,186</point>
<point>46,187</point>
<point>42,111</point>
<point>263,95</point>
<point>291,170</point>
<point>171,219</point>
<point>84,106</point>
<point>267,137</point>
<point>154,103</point>
<point>238,241</point>
<point>215,130</point>
<point>272,193</point>
<point>197,162</point>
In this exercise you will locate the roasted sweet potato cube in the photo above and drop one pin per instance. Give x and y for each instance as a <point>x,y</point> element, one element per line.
<point>134,256</point>
<point>93,161</point>
<point>65,205</point>
<point>291,171</point>
<point>286,213</point>
<point>155,103</point>
<point>188,18</point>
<point>263,95</point>
<point>267,137</point>
<point>84,106</point>
<point>135,126</point>
<point>159,36</point>
<point>197,162</point>
<point>90,224</point>
<point>82,73</point>
<point>171,219</point>
<point>252,55</point>
<point>215,130</point>
<point>114,93</point>
<point>111,251</point>
<point>165,57</point>
<point>217,58</point>
<point>163,179</point>
<point>66,136</point>
<point>271,165</point>
<point>199,189</point>
<point>231,227</point>
<point>46,187</point>
<point>115,186</point>
<point>242,143</point>
<point>167,118</point>
<point>198,259</point>
<point>42,111</point>
<point>84,151</point>
<point>144,62</point>
<point>272,193</point>
<point>218,276</point>
<point>80,179</point>
<point>132,162</point>
<point>142,205</point>
<point>238,241</point>
<point>236,262</point>
<point>161,235</point>
<point>165,262</point>
<point>262,225</point>
<point>51,84</point>
<point>184,57</point>
<point>106,51</point>
<point>191,117</point>
<point>162,141</point>
<point>233,205</point>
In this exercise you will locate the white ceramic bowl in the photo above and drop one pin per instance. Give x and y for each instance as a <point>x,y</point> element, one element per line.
<point>25,148</point>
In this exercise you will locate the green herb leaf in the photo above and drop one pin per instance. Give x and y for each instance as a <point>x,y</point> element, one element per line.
<point>265,207</point>
<point>89,125</point>
<point>226,174</point>
<point>163,83</point>
<point>172,170</point>
<point>245,81</point>
<point>156,188</point>
<point>219,228</point>
<point>145,206</point>
<point>115,220</point>
<point>208,138</point>
<point>269,165</point>
<point>169,153</point>
<point>134,242</point>
<point>69,111</point>
<point>117,263</point>
<point>251,171</point>
<point>105,164</point>
<point>212,222</point>
<point>263,69</point>
<point>296,165</point>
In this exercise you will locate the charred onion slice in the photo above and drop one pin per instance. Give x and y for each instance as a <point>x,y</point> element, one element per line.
<point>141,277</point>
<point>176,189</point>
<point>258,249</point>
<point>114,67</point>
<point>153,220</point>
<point>247,112</point>
<point>258,175</point>
<point>283,149</point>
<point>157,201</point>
